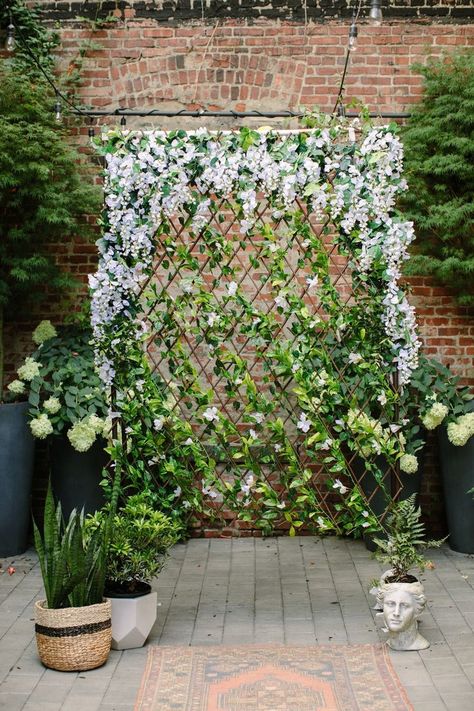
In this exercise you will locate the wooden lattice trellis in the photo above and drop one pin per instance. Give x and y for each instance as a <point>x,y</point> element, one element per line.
<point>247,319</point>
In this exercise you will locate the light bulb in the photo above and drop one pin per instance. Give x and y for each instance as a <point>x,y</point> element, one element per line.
<point>353,36</point>
<point>10,43</point>
<point>375,14</point>
<point>57,111</point>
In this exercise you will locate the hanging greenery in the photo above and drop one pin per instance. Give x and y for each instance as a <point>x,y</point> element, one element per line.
<point>328,362</point>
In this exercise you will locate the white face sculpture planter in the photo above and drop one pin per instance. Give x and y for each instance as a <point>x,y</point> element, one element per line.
<point>402,605</point>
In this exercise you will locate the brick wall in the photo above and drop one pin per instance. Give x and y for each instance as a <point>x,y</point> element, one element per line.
<point>258,55</point>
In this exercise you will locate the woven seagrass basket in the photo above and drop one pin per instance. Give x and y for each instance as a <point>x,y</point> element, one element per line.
<point>73,638</point>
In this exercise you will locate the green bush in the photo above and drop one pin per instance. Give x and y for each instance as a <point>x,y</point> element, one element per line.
<point>141,539</point>
<point>439,160</point>
<point>44,194</point>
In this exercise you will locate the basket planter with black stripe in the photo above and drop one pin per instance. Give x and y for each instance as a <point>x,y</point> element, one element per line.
<point>73,638</point>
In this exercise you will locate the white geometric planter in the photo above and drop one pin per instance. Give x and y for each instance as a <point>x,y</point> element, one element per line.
<point>132,620</point>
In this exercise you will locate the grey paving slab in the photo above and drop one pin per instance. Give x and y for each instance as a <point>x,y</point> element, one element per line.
<point>290,591</point>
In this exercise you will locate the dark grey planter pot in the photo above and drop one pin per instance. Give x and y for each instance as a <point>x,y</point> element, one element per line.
<point>16,472</point>
<point>457,473</point>
<point>76,476</point>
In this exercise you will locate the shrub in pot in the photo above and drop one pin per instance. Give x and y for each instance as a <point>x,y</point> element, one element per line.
<point>73,623</point>
<point>400,595</point>
<point>449,409</point>
<point>141,541</point>
<point>68,405</point>
<point>16,454</point>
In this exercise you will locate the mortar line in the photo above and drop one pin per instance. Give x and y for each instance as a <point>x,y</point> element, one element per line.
<point>283,614</point>
<point>203,578</point>
<point>308,590</point>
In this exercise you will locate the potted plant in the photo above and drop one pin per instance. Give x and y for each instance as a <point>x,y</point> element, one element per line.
<point>42,199</point>
<point>73,623</point>
<point>68,405</point>
<point>141,540</point>
<point>17,452</point>
<point>400,595</point>
<point>442,405</point>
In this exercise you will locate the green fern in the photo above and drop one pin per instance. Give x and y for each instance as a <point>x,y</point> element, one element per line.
<point>405,543</point>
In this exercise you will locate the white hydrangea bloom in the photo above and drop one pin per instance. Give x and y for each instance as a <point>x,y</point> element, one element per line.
<point>41,426</point>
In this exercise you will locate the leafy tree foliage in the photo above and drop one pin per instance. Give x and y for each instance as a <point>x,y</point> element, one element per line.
<point>439,158</point>
<point>42,193</point>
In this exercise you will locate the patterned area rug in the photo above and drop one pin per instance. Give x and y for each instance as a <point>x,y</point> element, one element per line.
<point>271,678</point>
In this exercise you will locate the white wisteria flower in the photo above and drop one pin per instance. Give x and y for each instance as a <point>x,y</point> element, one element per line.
<point>232,288</point>
<point>253,434</point>
<point>312,282</point>
<point>248,484</point>
<point>280,301</point>
<point>211,414</point>
<point>322,523</point>
<point>212,318</point>
<point>188,441</point>
<point>158,423</point>
<point>354,358</point>
<point>303,423</point>
<point>340,486</point>
<point>258,417</point>
<point>177,492</point>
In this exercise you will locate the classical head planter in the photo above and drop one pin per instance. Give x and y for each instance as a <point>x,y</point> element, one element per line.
<point>402,605</point>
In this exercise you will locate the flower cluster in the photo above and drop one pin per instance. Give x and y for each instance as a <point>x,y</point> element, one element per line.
<point>461,430</point>
<point>434,415</point>
<point>29,370</point>
<point>409,463</point>
<point>43,332</point>
<point>151,176</point>
<point>83,433</point>
<point>62,386</point>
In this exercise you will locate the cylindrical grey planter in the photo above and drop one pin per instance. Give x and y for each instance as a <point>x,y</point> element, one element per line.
<point>457,473</point>
<point>16,472</point>
<point>76,476</point>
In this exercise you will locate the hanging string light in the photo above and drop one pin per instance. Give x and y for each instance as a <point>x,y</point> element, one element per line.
<point>353,32</point>
<point>10,41</point>
<point>375,14</point>
<point>14,35</point>
<point>58,109</point>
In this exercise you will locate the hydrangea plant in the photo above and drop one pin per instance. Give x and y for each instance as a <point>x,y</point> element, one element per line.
<point>64,391</point>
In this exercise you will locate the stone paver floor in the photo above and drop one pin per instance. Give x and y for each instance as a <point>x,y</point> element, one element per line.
<point>252,591</point>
